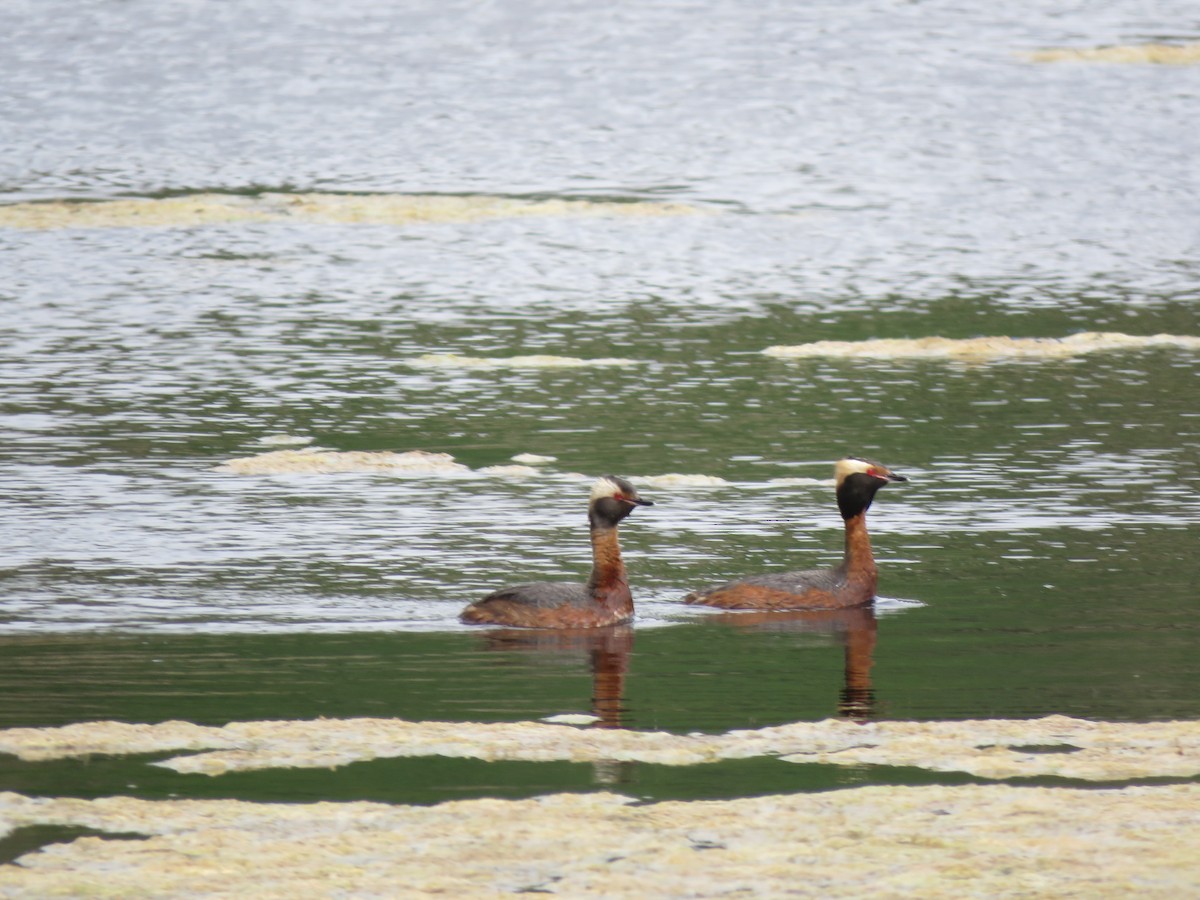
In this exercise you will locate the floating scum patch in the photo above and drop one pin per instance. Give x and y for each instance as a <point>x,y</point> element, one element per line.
<point>932,841</point>
<point>315,461</point>
<point>986,840</point>
<point>1156,53</point>
<point>984,349</point>
<point>421,463</point>
<point>1053,746</point>
<point>319,461</point>
<point>682,480</point>
<point>365,209</point>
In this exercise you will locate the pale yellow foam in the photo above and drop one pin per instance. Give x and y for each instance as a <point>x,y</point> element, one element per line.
<point>983,349</point>
<point>682,480</point>
<point>1160,54</point>
<point>534,459</point>
<point>899,842</point>
<point>284,440</point>
<point>374,209</point>
<point>571,719</point>
<point>321,461</point>
<point>315,461</point>
<point>537,361</point>
<point>1102,751</point>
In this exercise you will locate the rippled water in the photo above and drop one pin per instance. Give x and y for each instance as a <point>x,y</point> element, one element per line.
<point>836,172</point>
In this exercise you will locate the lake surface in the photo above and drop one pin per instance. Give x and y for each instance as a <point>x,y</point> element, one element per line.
<point>652,195</point>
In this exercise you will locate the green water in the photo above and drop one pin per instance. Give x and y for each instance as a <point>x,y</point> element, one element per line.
<point>1041,559</point>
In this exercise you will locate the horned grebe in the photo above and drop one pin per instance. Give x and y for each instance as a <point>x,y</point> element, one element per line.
<point>604,600</point>
<point>850,584</point>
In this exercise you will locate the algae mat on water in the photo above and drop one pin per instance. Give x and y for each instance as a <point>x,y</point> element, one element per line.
<point>987,748</point>
<point>362,209</point>
<point>993,841</point>
<point>995,349</point>
<point>1185,54</point>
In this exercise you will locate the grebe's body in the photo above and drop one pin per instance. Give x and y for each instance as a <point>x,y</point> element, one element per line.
<point>850,584</point>
<point>604,600</point>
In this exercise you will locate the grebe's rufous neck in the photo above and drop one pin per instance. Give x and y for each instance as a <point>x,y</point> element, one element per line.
<point>604,600</point>
<point>850,584</point>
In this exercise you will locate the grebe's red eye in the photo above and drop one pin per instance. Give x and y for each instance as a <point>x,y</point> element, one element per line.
<point>873,473</point>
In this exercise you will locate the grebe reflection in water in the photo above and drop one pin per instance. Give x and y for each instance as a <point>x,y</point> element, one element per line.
<point>607,651</point>
<point>858,630</point>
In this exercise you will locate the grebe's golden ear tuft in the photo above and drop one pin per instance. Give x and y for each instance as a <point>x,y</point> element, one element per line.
<point>605,487</point>
<point>617,489</point>
<point>850,465</point>
<point>856,465</point>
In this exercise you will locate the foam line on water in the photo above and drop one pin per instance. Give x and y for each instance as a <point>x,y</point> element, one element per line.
<point>341,209</point>
<point>985,748</point>
<point>1156,53</point>
<point>983,349</point>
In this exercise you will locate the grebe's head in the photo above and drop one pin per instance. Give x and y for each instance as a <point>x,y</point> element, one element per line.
<point>856,465</point>
<point>857,481</point>
<point>612,500</point>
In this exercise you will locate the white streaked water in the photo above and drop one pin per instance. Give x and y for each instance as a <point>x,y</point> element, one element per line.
<point>552,241</point>
<point>325,549</point>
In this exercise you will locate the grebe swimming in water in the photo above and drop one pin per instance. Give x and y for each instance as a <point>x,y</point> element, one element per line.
<point>850,584</point>
<point>604,600</point>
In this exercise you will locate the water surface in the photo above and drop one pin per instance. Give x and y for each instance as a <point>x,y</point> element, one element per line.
<point>835,172</point>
